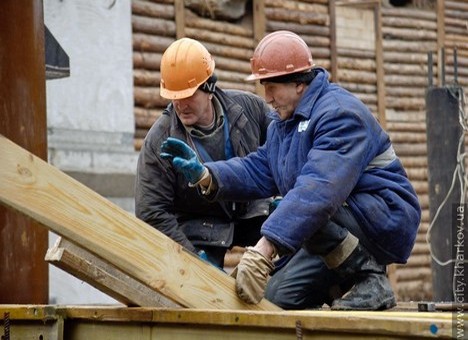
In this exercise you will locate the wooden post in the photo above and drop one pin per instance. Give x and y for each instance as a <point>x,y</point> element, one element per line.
<point>259,24</point>
<point>379,64</point>
<point>179,18</point>
<point>23,243</point>
<point>333,48</point>
<point>440,40</point>
<point>79,214</point>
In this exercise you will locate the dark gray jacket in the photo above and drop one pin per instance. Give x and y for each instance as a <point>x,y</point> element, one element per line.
<point>163,198</point>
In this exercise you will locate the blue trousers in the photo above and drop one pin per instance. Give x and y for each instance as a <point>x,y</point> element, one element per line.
<point>305,282</point>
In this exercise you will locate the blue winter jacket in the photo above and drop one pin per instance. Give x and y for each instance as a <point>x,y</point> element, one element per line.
<point>319,160</point>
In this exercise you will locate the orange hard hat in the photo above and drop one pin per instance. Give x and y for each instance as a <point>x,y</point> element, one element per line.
<point>185,65</point>
<point>280,53</point>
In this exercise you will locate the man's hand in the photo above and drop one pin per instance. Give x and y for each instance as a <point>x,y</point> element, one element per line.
<point>253,270</point>
<point>183,158</point>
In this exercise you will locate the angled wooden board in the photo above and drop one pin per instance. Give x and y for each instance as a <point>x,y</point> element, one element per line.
<point>102,275</point>
<point>79,214</point>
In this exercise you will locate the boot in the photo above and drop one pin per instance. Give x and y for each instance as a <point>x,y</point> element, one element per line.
<point>371,290</point>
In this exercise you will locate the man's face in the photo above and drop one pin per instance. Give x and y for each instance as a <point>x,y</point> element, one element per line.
<point>283,97</point>
<point>195,110</point>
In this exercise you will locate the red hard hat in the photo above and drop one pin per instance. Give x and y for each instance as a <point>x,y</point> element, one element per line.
<point>280,53</point>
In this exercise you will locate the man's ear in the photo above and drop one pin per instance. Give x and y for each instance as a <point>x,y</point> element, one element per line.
<point>300,87</point>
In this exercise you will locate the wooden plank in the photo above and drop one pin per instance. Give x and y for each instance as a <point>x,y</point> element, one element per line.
<point>77,213</point>
<point>103,276</point>
<point>123,323</point>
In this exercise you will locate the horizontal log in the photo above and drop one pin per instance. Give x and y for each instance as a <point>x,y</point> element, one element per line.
<point>406,58</point>
<point>320,53</point>
<point>410,149</point>
<point>138,143</point>
<point>140,133</point>
<point>146,60</point>
<point>357,76</point>
<point>317,30</point>
<point>230,76</point>
<point>249,87</point>
<point>325,63</point>
<point>405,12</point>
<point>155,10</point>
<point>424,220</point>
<point>456,14</point>
<point>324,2</point>
<point>405,116</point>
<point>194,21</point>
<point>456,5</point>
<point>405,103</point>
<point>220,38</point>
<point>423,198</point>
<point>304,18</point>
<point>396,91</point>
<point>408,69</point>
<point>417,174</point>
<point>408,34</point>
<point>419,261</point>
<point>355,53</point>
<point>223,63</point>
<point>402,22</point>
<point>367,98</point>
<point>316,41</point>
<point>421,187</point>
<point>161,27</point>
<point>455,30</point>
<point>358,87</point>
<point>409,46</point>
<point>405,80</point>
<point>414,290</point>
<point>298,6</point>
<point>148,43</point>
<point>146,78</point>
<point>356,64</point>
<point>453,22</point>
<point>408,137</point>
<point>407,126</point>
<point>145,118</point>
<point>409,274</point>
<point>458,38</point>
<point>228,51</point>
<point>149,97</point>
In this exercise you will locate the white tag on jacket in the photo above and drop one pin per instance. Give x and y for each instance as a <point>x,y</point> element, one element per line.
<point>303,125</point>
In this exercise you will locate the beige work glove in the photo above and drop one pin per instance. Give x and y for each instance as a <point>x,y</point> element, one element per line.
<point>251,275</point>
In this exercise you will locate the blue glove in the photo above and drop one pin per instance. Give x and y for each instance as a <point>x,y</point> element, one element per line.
<point>183,158</point>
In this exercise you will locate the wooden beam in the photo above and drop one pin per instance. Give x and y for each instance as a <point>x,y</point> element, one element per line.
<point>440,41</point>
<point>333,43</point>
<point>75,212</point>
<point>23,274</point>
<point>259,32</point>
<point>179,18</point>
<point>379,63</point>
<point>101,275</point>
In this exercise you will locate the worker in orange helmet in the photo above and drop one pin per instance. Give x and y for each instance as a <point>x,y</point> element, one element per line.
<point>218,125</point>
<point>348,208</point>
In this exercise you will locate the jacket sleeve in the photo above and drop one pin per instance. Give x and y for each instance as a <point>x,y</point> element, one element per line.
<point>341,149</point>
<point>155,192</point>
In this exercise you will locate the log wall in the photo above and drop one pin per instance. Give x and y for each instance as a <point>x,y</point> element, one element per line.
<point>407,35</point>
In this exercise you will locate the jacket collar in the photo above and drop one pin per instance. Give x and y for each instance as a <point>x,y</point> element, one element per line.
<point>313,91</point>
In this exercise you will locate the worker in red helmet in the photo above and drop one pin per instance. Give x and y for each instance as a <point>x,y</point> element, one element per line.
<point>348,208</point>
<point>218,125</point>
